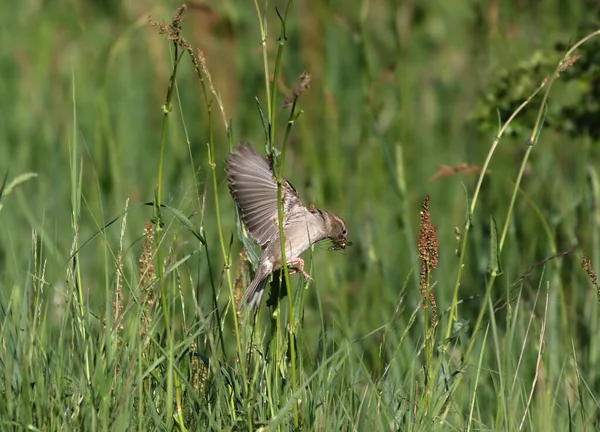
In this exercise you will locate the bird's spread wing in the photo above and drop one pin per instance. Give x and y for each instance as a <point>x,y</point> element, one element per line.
<point>254,189</point>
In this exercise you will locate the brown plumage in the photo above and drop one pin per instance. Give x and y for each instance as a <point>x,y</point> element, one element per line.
<point>254,189</point>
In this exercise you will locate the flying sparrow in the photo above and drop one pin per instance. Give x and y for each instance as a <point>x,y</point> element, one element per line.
<point>253,187</point>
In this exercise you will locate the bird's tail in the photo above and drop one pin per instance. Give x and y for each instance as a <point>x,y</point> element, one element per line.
<point>254,291</point>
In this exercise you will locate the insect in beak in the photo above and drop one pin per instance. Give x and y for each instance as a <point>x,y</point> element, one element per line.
<point>339,244</point>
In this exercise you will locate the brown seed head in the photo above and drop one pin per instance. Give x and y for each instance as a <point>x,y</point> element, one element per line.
<point>587,266</point>
<point>428,252</point>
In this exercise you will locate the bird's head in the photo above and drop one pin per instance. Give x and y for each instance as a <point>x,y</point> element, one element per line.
<point>337,231</point>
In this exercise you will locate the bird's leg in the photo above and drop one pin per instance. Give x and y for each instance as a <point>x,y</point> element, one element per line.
<point>297,265</point>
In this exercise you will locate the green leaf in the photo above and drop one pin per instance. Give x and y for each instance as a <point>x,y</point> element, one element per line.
<point>538,131</point>
<point>494,265</point>
<point>265,125</point>
<point>3,185</point>
<point>5,190</point>
<point>248,243</point>
<point>185,221</point>
<point>468,215</point>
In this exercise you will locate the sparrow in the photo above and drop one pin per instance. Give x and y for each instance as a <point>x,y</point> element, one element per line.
<point>253,186</point>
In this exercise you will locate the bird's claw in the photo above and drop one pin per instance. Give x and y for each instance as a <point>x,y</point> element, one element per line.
<point>306,275</point>
<point>296,265</point>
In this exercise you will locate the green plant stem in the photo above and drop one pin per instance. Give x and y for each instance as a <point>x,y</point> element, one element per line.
<point>76,173</point>
<point>429,340</point>
<point>271,90</point>
<point>291,337</point>
<point>201,72</point>
<point>280,181</point>
<point>226,257</point>
<point>178,396</point>
<point>273,102</point>
<point>263,44</point>
<point>167,108</point>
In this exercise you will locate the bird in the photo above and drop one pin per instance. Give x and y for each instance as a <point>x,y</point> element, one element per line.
<point>253,187</point>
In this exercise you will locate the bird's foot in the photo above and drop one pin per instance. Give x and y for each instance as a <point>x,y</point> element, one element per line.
<point>297,266</point>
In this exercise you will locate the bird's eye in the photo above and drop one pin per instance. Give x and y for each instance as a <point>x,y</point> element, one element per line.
<point>344,231</point>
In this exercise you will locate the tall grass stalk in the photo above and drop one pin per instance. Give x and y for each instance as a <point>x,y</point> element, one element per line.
<point>531,142</point>
<point>167,108</point>
<point>271,92</point>
<point>225,254</point>
<point>211,95</point>
<point>76,170</point>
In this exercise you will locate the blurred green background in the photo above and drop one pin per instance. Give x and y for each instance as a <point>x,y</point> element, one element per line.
<point>398,89</point>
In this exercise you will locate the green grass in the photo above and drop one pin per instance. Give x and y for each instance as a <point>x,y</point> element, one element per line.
<point>120,248</point>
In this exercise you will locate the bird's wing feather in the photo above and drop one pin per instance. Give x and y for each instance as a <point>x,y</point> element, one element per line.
<point>254,189</point>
